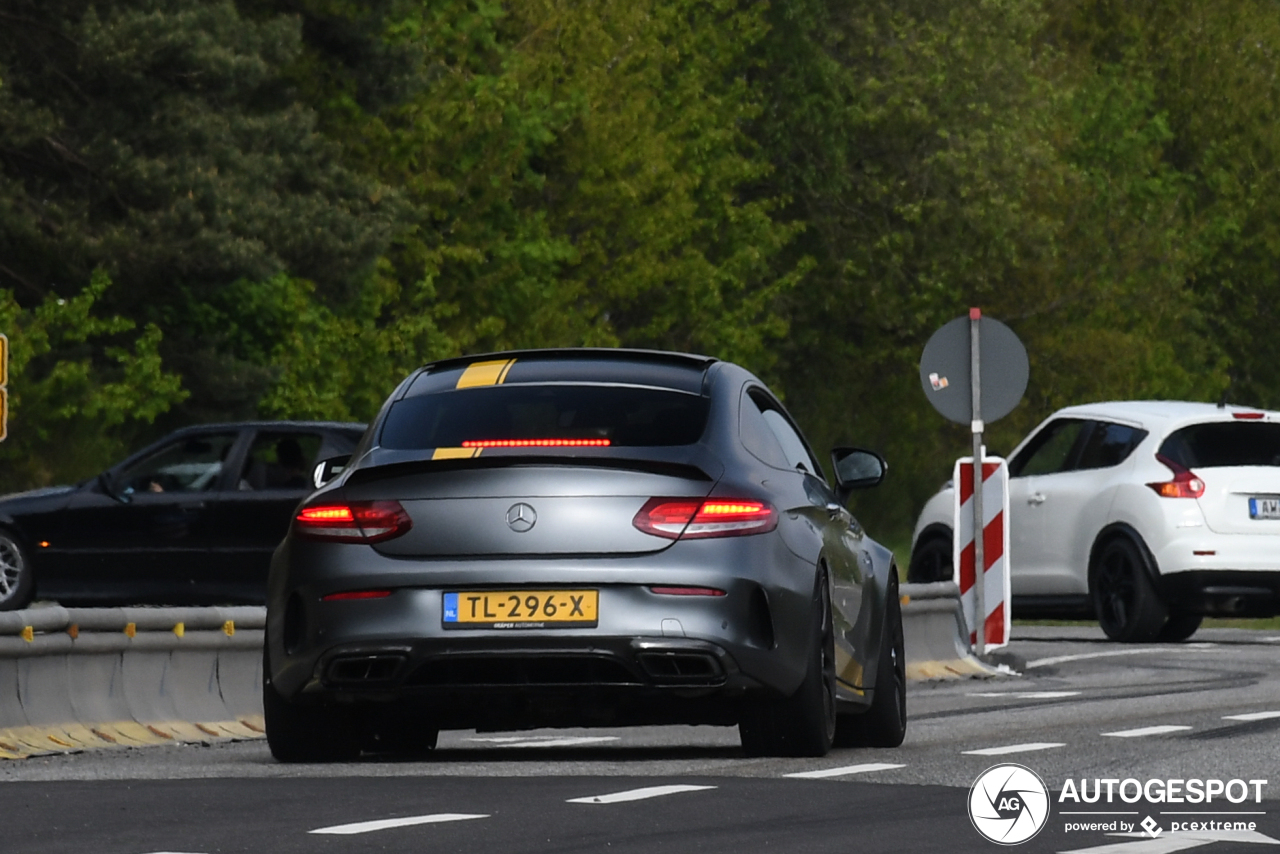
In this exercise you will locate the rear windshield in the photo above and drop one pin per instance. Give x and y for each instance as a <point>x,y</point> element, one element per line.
<point>1230,443</point>
<point>622,415</point>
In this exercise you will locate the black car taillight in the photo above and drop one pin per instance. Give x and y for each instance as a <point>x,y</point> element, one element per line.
<point>698,518</point>
<point>353,522</point>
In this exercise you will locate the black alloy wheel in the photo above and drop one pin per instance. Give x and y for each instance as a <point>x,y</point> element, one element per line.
<point>931,561</point>
<point>884,724</point>
<point>1180,627</point>
<point>803,724</point>
<point>1127,604</point>
<point>16,582</point>
<point>307,733</point>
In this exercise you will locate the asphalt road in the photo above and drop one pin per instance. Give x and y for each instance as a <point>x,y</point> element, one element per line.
<point>1084,710</point>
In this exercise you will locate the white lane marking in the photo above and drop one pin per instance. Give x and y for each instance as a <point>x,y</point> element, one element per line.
<point>1175,841</point>
<point>1271,640</point>
<point>1252,716</point>
<point>547,740</point>
<point>636,794</point>
<point>1013,748</point>
<point>387,823</point>
<point>1060,659</point>
<point>1029,695</point>
<point>1146,730</point>
<point>840,772</point>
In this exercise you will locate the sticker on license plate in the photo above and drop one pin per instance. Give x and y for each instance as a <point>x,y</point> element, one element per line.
<point>1264,508</point>
<point>521,609</point>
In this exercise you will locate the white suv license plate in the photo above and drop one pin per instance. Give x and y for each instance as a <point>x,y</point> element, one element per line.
<point>1264,508</point>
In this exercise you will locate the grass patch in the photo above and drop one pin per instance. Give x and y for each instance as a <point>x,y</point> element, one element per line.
<point>1267,624</point>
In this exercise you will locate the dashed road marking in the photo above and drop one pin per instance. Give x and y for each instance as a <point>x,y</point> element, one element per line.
<point>388,823</point>
<point>1014,748</point>
<point>546,740</point>
<point>1252,716</point>
<point>1029,695</point>
<point>637,794</point>
<point>1147,730</point>
<point>842,771</point>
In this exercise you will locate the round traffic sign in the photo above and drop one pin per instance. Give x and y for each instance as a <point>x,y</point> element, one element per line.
<point>945,369</point>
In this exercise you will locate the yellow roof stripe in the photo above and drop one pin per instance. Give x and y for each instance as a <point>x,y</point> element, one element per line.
<point>485,373</point>
<point>456,453</point>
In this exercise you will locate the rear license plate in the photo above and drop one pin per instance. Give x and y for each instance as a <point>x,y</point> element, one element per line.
<point>1264,508</point>
<point>521,609</point>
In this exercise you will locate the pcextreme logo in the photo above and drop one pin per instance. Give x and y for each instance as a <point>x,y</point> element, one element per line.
<point>1009,804</point>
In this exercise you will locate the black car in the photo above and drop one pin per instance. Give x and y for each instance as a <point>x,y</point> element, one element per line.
<point>190,520</point>
<point>583,538</point>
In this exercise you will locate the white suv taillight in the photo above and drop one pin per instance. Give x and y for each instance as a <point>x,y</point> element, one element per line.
<point>1185,484</point>
<point>698,518</point>
<point>353,522</point>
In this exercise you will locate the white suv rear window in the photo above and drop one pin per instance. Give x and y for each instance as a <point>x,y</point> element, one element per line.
<point>1220,444</point>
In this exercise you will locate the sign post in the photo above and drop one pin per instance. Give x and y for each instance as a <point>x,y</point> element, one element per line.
<point>974,370</point>
<point>975,425</point>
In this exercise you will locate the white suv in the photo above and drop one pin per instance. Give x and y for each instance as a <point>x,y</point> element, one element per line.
<point>1147,515</point>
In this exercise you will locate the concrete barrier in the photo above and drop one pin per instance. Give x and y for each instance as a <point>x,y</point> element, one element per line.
<point>79,678</point>
<point>935,634</point>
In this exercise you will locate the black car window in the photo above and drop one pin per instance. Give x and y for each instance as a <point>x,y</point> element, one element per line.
<point>192,464</point>
<point>1049,451</point>
<point>757,437</point>
<point>279,460</point>
<point>1224,443</point>
<point>794,450</point>
<point>1109,445</point>
<point>511,415</point>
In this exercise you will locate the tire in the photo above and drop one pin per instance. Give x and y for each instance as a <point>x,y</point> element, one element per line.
<point>803,724</point>
<point>16,582</point>
<point>404,732</point>
<point>1127,605</point>
<point>931,561</point>
<point>298,733</point>
<point>884,724</point>
<point>1179,627</point>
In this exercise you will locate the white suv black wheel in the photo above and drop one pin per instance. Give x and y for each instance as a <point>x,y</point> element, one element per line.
<point>1128,607</point>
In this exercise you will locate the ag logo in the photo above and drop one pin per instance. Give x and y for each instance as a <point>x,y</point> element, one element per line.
<point>1008,804</point>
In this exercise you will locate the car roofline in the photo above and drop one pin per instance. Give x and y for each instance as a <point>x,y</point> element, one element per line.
<point>1166,415</point>
<point>621,354</point>
<point>267,425</point>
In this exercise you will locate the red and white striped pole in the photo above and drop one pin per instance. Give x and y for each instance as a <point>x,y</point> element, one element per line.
<point>991,550</point>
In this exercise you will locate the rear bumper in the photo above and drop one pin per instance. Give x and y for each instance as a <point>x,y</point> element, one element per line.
<point>497,684</point>
<point>1223,592</point>
<point>651,658</point>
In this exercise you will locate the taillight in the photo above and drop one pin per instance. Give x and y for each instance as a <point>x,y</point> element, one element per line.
<point>354,522</point>
<point>1185,484</point>
<point>696,518</point>
<point>1248,416</point>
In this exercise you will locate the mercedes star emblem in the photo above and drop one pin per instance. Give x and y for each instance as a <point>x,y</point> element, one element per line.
<point>521,517</point>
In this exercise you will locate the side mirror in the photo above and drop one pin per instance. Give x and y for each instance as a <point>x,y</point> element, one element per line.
<point>327,470</point>
<point>857,469</point>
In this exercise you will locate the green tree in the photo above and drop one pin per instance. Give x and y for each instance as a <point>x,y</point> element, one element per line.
<point>81,386</point>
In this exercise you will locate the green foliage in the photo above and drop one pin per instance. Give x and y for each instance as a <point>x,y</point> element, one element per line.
<point>79,384</point>
<point>312,197</point>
